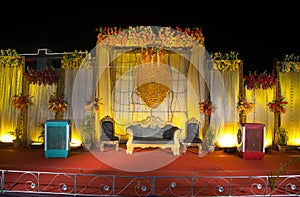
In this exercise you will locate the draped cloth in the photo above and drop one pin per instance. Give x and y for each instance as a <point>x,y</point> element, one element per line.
<point>290,120</point>
<point>10,85</point>
<point>38,113</point>
<point>226,106</point>
<point>116,73</point>
<point>261,113</point>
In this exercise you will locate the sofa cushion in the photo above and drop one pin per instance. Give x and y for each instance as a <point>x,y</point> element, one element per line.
<point>150,140</point>
<point>139,131</point>
<point>166,132</point>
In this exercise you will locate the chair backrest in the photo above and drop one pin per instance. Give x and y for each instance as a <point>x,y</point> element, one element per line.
<point>192,129</point>
<point>107,125</point>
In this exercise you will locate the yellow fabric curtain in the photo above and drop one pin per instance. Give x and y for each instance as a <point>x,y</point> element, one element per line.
<point>226,124</point>
<point>119,81</point>
<point>261,113</point>
<point>114,77</point>
<point>290,120</point>
<point>116,72</point>
<point>39,111</point>
<point>10,85</point>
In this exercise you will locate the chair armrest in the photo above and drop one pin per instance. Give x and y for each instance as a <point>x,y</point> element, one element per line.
<point>177,136</point>
<point>130,133</point>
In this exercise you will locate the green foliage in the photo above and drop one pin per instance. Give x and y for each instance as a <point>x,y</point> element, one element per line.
<point>88,129</point>
<point>273,179</point>
<point>232,55</point>
<point>18,133</point>
<point>282,137</point>
<point>10,58</point>
<point>41,137</point>
<point>210,136</point>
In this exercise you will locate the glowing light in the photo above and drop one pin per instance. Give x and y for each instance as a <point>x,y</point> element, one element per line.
<point>7,138</point>
<point>75,143</point>
<point>36,143</point>
<point>228,140</point>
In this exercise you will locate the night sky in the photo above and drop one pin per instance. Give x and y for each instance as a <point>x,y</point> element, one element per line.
<point>260,34</point>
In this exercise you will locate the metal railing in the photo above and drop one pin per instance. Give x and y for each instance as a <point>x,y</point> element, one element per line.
<point>55,183</point>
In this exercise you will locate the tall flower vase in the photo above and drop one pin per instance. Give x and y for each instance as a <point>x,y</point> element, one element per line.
<point>243,117</point>
<point>58,116</point>
<point>276,128</point>
<point>206,124</point>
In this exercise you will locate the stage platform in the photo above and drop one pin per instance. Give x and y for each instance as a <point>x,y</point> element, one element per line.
<point>149,172</point>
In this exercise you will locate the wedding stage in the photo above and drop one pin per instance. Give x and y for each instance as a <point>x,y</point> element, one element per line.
<point>220,173</point>
<point>142,72</point>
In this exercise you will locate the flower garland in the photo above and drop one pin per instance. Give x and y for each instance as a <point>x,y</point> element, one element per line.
<point>10,58</point>
<point>277,105</point>
<point>152,54</point>
<point>73,59</point>
<point>57,104</point>
<point>226,61</point>
<point>93,104</point>
<point>291,63</point>
<point>243,106</point>
<point>260,81</point>
<point>146,35</point>
<point>22,102</point>
<point>41,77</point>
<point>207,107</point>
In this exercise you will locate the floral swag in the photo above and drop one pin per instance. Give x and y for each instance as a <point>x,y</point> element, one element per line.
<point>152,54</point>
<point>226,61</point>
<point>74,60</point>
<point>41,77</point>
<point>144,36</point>
<point>291,63</point>
<point>260,81</point>
<point>10,58</point>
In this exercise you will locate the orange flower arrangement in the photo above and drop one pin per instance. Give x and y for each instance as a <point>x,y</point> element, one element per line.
<point>244,106</point>
<point>22,102</point>
<point>207,107</point>
<point>93,104</point>
<point>277,106</point>
<point>57,104</point>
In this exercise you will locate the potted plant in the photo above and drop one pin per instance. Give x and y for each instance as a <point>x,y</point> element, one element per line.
<point>210,138</point>
<point>92,106</point>
<point>282,139</point>
<point>88,130</point>
<point>21,102</point>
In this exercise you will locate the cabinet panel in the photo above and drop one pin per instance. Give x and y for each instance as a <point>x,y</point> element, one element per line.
<point>57,138</point>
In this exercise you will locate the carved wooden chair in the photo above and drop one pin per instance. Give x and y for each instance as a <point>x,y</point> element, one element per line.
<point>107,133</point>
<point>192,130</point>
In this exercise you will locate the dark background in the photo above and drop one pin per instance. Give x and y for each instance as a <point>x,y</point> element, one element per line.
<point>261,34</point>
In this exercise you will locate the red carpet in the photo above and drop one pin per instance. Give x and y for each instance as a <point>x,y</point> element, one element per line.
<point>215,163</point>
<point>152,162</point>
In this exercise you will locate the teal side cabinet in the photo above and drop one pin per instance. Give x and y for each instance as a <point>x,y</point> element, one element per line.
<point>57,138</point>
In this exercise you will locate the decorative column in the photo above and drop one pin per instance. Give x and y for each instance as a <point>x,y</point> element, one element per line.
<point>242,93</point>
<point>24,114</point>
<point>276,115</point>
<point>207,117</point>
